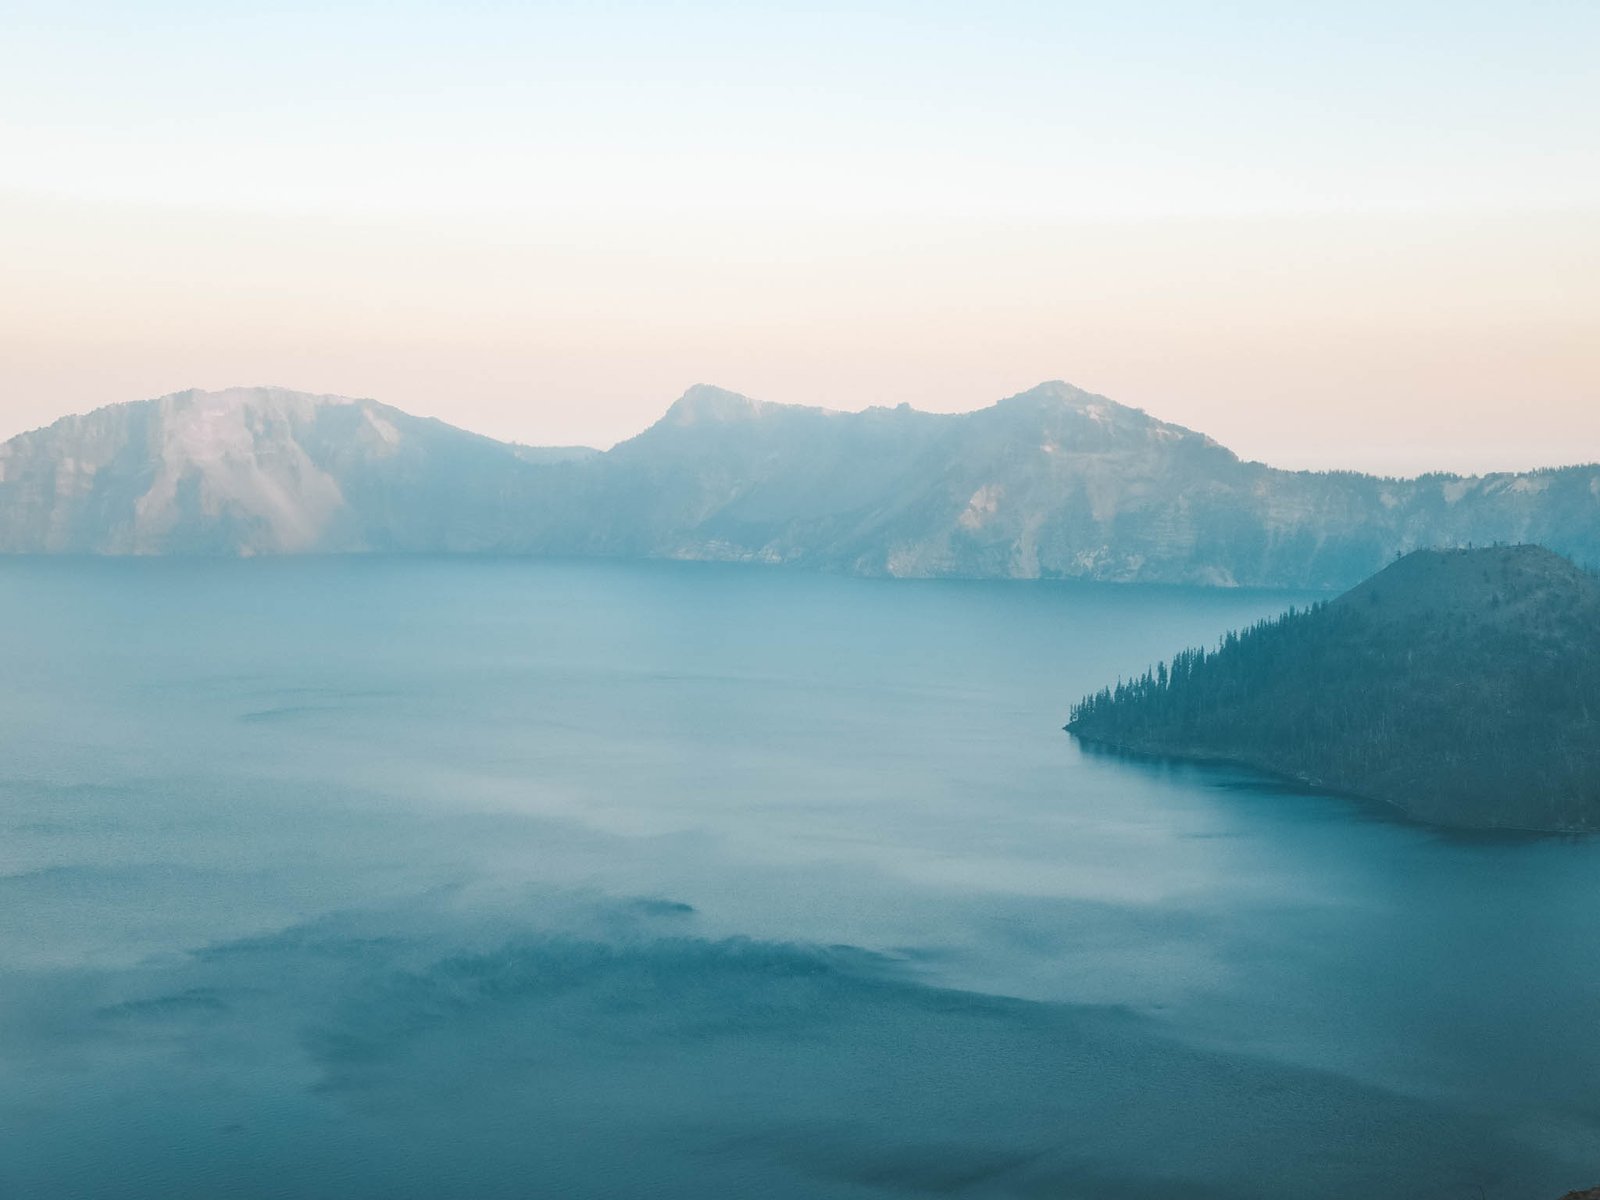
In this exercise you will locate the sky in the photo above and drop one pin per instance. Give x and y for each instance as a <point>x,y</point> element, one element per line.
<point>1360,235</point>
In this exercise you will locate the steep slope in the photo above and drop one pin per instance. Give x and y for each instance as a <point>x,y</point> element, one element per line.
<point>722,476</point>
<point>254,471</point>
<point>1054,482</point>
<point>1462,686</point>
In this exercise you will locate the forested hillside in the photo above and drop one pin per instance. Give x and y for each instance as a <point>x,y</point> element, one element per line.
<point>1463,686</point>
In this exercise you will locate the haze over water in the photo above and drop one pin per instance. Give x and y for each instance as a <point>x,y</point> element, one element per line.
<point>415,878</point>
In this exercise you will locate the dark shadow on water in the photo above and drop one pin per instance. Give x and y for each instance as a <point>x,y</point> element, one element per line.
<point>1228,776</point>
<point>597,1052</point>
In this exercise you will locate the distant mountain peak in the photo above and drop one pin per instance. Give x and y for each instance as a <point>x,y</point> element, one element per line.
<point>244,397</point>
<point>1089,418</point>
<point>1056,395</point>
<point>1061,392</point>
<point>705,403</point>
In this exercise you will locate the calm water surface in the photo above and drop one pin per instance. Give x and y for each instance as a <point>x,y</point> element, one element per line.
<point>427,878</point>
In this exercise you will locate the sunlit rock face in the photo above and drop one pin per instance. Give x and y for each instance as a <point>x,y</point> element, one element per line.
<point>1052,483</point>
<point>247,471</point>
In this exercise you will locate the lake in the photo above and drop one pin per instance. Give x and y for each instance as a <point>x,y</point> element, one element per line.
<point>417,878</point>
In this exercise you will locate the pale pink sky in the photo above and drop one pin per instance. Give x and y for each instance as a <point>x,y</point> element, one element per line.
<point>1384,343</point>
<point>1365,236</point>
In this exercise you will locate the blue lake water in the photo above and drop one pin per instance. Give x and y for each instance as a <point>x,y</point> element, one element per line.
<point>434,878</point>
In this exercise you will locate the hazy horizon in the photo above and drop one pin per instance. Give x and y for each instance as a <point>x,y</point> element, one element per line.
<point>1366,238</point>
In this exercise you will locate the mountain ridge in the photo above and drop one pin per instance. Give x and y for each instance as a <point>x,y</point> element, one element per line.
<point>1052,482</point>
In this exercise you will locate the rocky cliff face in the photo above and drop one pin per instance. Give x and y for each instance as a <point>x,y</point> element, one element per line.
<point>1054,482</point>
<point>250,471</point>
